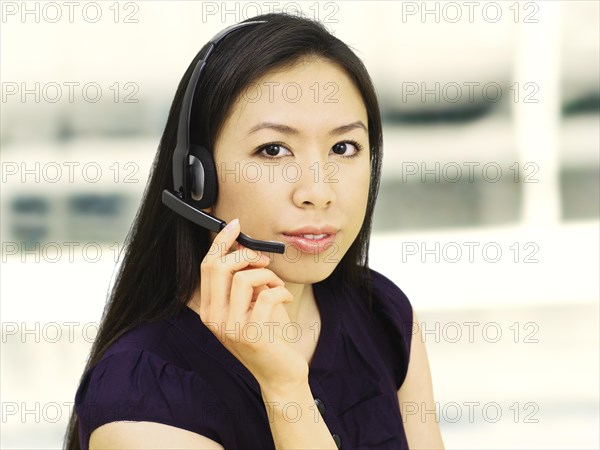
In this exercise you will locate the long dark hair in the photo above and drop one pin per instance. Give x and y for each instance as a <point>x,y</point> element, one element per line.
<point>163,252</point>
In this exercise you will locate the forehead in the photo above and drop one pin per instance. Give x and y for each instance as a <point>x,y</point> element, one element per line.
<point>313,95</point>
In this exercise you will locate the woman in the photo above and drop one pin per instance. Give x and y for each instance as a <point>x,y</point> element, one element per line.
<point>209,344</point>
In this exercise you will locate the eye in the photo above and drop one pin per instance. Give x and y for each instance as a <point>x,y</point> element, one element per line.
<point>271,150</point>
<point>342,147</point>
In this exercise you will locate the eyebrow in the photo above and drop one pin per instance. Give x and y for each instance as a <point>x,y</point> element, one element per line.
<point>286,129</point>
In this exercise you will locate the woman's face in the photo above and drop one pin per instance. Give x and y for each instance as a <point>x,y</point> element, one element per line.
<point>285,161</point>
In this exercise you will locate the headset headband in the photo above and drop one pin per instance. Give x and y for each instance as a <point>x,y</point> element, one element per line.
<point>183,127</point>
<point>189,166</point>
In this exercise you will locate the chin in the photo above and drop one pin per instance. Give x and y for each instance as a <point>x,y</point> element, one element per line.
<point>304,272</point>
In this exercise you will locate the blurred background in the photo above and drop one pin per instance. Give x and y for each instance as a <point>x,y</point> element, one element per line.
<point>487,216</point>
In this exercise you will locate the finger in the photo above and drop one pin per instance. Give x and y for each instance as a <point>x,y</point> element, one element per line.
<point>255,294</point>
<point>214,305</point>
<point>224,240</point>
<point>252,256</point>
<point>242,290</point>
<point>267,301</point>
<point>221,276</point>
<point>218,247</point>
<point>220,244</point>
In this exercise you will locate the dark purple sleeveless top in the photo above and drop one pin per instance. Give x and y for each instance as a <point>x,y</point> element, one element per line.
<point>176,372</point>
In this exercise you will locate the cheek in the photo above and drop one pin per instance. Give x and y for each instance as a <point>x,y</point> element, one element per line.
<point>245,190</point>
<point>231,196</point>
<point>361,185</point>
<point>364,201</point>
<point>354,195</point>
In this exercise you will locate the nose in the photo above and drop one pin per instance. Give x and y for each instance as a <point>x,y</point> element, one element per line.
<point>316,185</point>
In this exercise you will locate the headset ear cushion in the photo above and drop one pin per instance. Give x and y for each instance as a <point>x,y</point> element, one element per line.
<point>202,177</point>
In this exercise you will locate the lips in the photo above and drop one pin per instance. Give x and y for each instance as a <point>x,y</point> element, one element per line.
<point>313,236</point>
<point>311,239</point>
<point>311,230</point>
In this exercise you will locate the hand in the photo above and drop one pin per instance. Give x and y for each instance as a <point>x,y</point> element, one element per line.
<point>241,302</point>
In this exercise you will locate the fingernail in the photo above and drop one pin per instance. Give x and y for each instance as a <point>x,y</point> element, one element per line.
<point>232,225</point>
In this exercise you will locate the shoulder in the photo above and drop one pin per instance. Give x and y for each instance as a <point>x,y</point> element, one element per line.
<point>136,384</point>
<point>149,336</point>
<point>375,296</point>
<point>394,312</point>
<point>139,379</point>
<point>389,299</point>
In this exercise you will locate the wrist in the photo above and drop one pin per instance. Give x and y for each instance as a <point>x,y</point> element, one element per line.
<point>286,392</point>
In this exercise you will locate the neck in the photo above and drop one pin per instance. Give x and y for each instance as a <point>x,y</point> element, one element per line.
<point>303,296</point>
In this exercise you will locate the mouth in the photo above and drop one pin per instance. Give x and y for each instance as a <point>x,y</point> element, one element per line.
<point>310,243</point>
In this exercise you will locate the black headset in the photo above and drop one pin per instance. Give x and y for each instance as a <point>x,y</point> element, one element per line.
<point>195,183</point>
